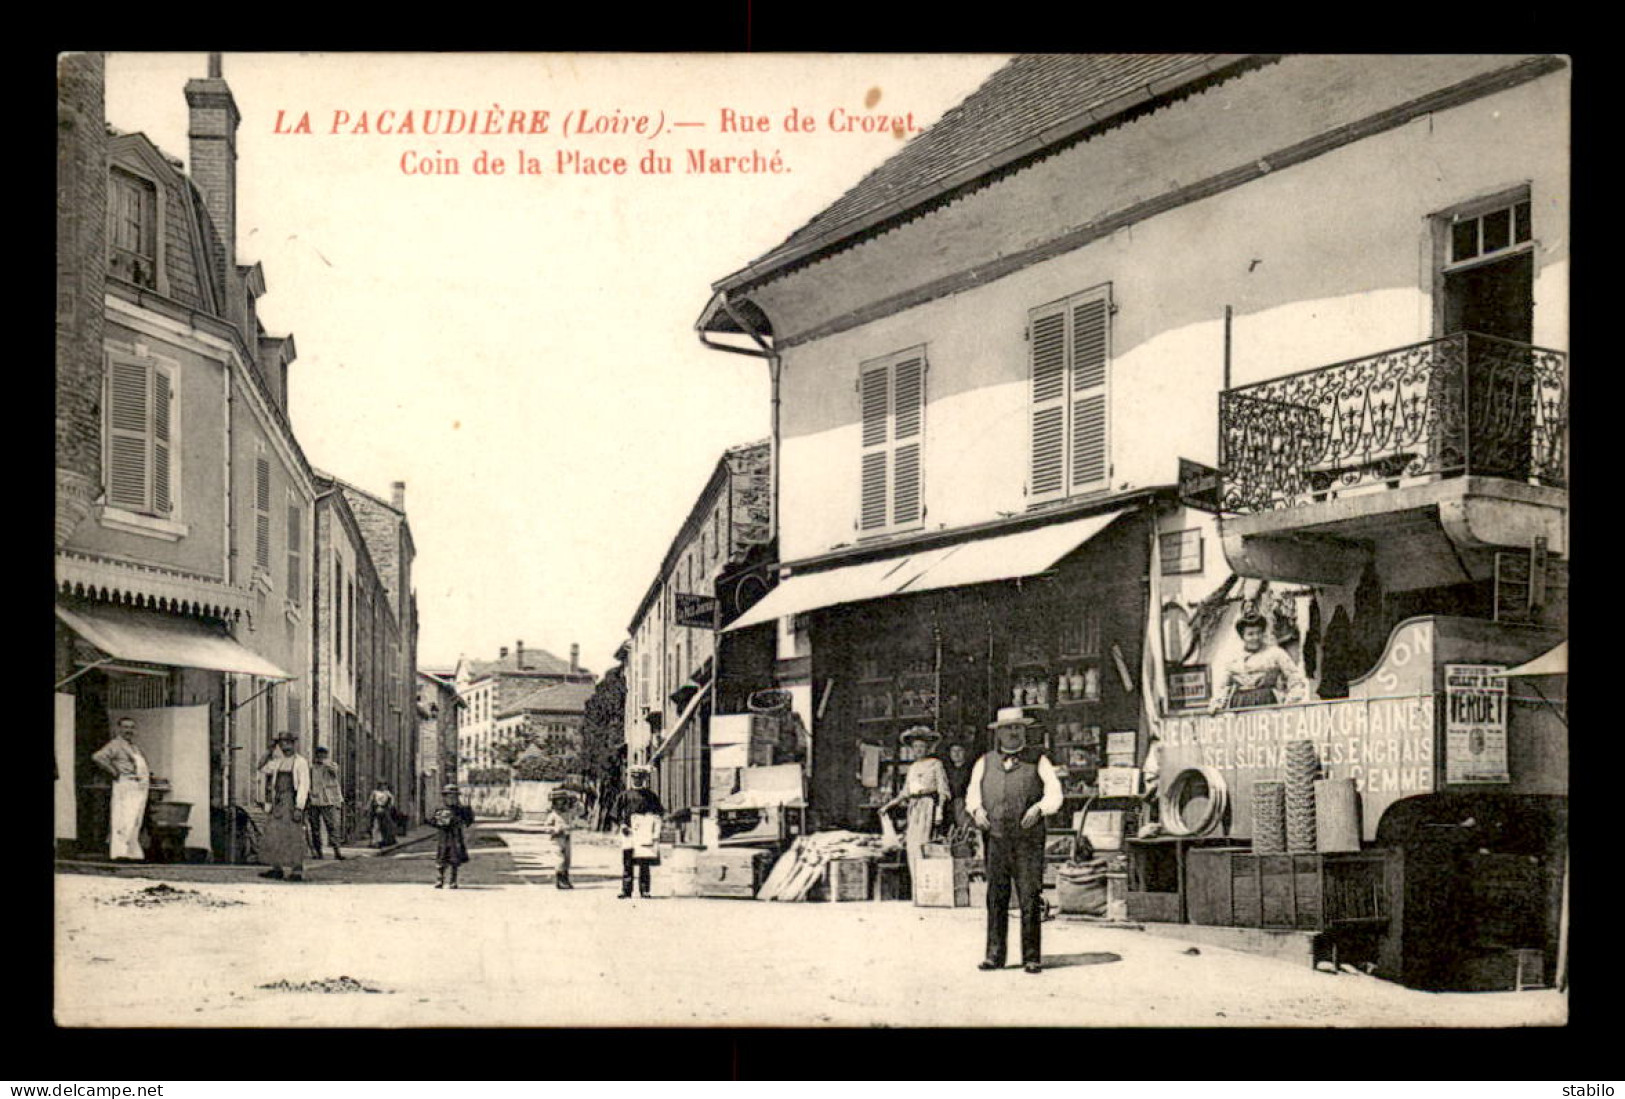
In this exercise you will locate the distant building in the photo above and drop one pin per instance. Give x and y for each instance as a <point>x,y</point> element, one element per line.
<point>437,731</point>
<point>671,646</point>
<point>387,626</point>
<point>358,647</point>
<point>488,687</point>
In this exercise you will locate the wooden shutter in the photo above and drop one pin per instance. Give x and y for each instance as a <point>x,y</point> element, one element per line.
<point>162,398</point>
<point>1070,351</point>
<point>891,396</point>
<point>262,509</point>
<point>1089,321</point>
<point>874,397</point>
<point>908,422</point>
<point>1047,339</point>
<point>128,422</point>
<point>295,549</point>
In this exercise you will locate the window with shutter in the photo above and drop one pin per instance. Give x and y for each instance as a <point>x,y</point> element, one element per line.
<point>262,512</point>
<point>891,400</point>
<point>1070,353</point>
<point>295,549</point>
<point>140,435</point>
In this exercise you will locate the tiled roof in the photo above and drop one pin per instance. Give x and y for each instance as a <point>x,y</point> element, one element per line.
<point>555,697</point>
<point>536,660</point>
<point>1033,101</point>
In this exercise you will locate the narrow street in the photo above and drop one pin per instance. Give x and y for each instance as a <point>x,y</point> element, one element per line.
<point>507,948</point>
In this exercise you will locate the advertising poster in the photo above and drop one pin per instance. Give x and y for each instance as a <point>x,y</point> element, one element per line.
<point>1475,723</point>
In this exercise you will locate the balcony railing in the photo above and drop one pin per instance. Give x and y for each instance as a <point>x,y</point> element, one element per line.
<point>1460,404</point>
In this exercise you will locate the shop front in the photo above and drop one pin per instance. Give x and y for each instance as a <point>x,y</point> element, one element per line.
<point>1048,616</point>
<point>172,675</point>
<point>1432,803</point>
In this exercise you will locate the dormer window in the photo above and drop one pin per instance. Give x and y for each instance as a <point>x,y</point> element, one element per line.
<point>132,228</point>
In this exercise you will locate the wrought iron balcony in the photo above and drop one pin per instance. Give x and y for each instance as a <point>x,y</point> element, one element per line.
<point>1460,404</point>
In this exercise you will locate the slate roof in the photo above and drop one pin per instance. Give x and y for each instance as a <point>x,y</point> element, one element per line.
<point>566,698</point>
<point>1034,101</point>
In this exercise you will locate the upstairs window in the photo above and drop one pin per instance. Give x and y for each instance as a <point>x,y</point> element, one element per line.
<point>262,511</point>
<point>1069,345</point>
<point>140,435</point>
<point>132,228</point>
<point>296,573</point>
<point>891,399</point>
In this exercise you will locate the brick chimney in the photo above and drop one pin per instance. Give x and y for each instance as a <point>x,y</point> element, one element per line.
<point>397,495</point>
<point>575,657</point>
<point>502,653</point>
<point>519,655</point>
<point>212,130</point>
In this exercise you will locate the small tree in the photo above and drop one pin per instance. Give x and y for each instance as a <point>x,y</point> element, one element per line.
<point>601,751</point>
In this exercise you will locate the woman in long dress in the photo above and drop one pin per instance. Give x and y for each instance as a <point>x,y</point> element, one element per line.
<point>925,792</point>
<point>382,809</point>
<point>287,779</point>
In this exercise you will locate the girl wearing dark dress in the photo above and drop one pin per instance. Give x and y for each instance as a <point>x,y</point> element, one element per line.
<point>451,820</point>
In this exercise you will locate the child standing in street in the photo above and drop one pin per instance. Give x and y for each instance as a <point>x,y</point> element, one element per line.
<point>559,823</point>
<point>451,820</point>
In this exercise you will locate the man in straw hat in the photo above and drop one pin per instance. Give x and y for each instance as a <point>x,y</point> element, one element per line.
<point>1012,789</point>
<point>925,791</point>
<point>640,814</point>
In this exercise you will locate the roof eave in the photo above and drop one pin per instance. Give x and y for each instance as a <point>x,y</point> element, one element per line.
<point>779,260</point>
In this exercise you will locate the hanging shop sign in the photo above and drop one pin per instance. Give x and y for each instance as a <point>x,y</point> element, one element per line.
<point>1198,485</point>
<point>698,611</point>
<point>1475,730</point>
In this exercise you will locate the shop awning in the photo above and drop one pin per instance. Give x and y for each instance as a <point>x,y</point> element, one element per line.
<point>684,723</point>
<point>1554,661</point>
<point>127,634</point>
<point>999,557</point>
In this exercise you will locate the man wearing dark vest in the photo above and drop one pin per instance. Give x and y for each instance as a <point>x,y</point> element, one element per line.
<point>1012,789</point>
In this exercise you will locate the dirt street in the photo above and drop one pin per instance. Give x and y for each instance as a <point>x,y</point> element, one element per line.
<point>368,942</point>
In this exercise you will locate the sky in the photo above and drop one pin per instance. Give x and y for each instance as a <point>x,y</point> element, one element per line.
<point>519,349</point>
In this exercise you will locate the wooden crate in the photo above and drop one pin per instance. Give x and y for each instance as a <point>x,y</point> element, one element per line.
<point>847,879</point>
<point>1233,887</point>
<point>725,873</point>
<point>942,883</point>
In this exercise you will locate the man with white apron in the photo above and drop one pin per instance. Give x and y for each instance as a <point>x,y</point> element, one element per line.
<point>641,817</point>
<point>122,759</point>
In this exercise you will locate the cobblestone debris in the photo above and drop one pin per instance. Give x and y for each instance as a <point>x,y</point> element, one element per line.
<point>327,984</point>
<point>154,895</point>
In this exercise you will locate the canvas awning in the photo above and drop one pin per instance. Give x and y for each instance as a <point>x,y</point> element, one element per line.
<point>1554,661</point>
<point>684,722</point>
<point>982,561</point>
<point>149,638</point>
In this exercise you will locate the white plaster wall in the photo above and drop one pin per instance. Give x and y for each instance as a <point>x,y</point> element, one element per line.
<point>1328,260</point>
